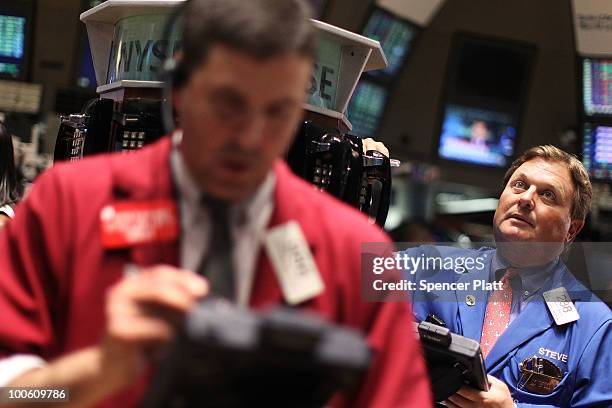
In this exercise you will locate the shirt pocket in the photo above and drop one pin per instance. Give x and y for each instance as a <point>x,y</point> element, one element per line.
<point>556,397</point>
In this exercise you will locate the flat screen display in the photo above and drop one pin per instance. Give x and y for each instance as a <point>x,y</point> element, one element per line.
<point>597,150</point>
<point>478,136</point>
<point>366,108</point>
<point>487,70</point>
<point>86,74</point>
<point>597,86</point>
<point>12,45</point>
<point>396,36</point>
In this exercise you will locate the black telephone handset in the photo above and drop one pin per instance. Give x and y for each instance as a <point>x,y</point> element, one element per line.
<point>100,113</point>
<point>138,123</point>
<point>335,163</point>
<point>84,133</point>
<point>376,193</point>
<point>328,164</point>
<point>70,138</point>
<point>322,158</point>
<point>354,185</point>
<point>100,128</point>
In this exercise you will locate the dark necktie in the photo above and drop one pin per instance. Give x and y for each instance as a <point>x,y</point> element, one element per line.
<point>217,265</point>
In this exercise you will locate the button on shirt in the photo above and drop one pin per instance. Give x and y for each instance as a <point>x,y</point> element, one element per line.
<point>526,285</point>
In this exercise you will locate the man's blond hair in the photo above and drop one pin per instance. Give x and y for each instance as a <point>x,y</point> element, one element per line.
<point>583,191</point>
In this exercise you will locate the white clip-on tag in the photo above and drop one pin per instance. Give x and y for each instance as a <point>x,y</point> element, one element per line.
<point>561,306</point>
<point>293,263</point>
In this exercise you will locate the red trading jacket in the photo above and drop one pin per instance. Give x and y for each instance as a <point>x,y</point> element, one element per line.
<point>54,272</point>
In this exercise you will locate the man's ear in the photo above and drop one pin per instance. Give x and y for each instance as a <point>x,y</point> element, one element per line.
<point>574,229</point>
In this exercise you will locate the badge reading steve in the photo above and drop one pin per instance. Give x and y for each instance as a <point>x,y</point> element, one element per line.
<point>130,223</point>
<point>293,263</point>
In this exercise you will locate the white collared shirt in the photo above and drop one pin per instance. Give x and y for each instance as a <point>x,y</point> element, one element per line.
<point>249,219</point>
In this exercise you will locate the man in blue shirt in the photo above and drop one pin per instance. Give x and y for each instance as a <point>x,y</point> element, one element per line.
<point>542,333</point>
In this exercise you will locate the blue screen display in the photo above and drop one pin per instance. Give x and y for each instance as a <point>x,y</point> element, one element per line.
<point>366,108</point>
<point>12,44</point>
<point>396,37</point>
<point>478,136</point>
<point>597,151</point>
<point>86,74</point>
<point>597,86</point>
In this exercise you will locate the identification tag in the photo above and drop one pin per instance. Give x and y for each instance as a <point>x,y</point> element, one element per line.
<point>293,263</point>
<point>125,224</point>
<point>539,376</point>
<point>561,306</point>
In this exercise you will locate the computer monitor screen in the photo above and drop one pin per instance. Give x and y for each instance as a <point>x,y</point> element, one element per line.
<point>597,86</point>
<point>366,108</point>
<point>86,74</point>
<point>597,150</point>
<point>477,136</point>
<point>12,45</point>
<point>396,36</point>
<point>485,71</point>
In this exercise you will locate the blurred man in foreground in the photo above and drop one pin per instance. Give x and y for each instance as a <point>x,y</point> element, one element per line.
<point>105,254</point>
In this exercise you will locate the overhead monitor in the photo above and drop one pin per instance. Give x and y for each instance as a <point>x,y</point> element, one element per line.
<point>396,36</point>
<point>597,86</point>
<point>597,150</point>
<point>366,107</point>
<point>477,136</point>
<point>12,44</point>
<point>486,71</point>
<point>15,27</point>
<point>86,74</point>
<point>20,97</point>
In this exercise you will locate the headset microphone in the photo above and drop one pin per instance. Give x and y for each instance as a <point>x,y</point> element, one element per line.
<point>170,73</point>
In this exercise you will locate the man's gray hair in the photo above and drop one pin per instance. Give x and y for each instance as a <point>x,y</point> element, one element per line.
<point>261,28</point>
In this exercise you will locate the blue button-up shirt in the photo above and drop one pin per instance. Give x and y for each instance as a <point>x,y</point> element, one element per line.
<point>527,283</point>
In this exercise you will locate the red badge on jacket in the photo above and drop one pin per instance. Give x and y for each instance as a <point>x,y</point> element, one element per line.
<point>130,223</point>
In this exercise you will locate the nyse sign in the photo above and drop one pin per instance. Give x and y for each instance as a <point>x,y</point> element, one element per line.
<point>324,80</point>
<point>139,48</point>
<point>323,83</point>
<point>134,54</point>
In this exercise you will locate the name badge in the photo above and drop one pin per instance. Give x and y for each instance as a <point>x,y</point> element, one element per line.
<point>129,223</point>
<point>561,306</point>
<point>293,263</point>
<point>539,376</point>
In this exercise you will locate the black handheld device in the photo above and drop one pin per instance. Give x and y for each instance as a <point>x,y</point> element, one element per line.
<point>452,360</point>
<point>227,356</point>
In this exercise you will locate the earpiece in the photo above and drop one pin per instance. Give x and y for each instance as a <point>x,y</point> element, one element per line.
<point>171,72</point>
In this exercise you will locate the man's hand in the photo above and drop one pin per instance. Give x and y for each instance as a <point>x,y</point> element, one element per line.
<point>498,396</point>
<point>142,314</point>
<point>371,144</point>
<point>3,220</point>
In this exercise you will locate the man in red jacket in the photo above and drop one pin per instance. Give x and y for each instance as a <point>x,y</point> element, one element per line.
<point>100,256</point>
